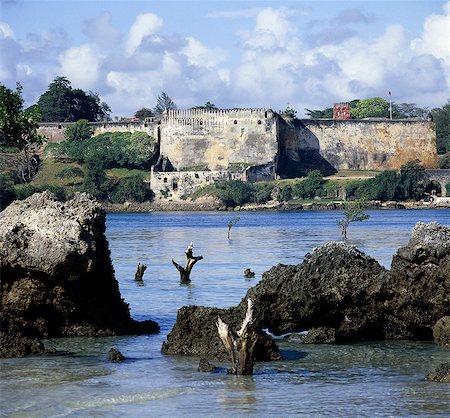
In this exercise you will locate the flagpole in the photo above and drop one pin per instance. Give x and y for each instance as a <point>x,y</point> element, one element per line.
<point>390,105</point>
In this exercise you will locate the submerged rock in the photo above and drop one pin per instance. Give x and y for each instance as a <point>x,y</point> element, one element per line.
<point>115,355</point>
<point>441,374</point>
<point>441,332</point>
<point>57,276</point>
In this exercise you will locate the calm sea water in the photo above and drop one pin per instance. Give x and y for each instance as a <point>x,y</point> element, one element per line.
<point>372,379</point>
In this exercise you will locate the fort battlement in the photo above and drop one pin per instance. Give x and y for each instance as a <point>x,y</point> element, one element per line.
<point>198,118</point>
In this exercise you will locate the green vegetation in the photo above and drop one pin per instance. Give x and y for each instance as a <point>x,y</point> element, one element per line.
<point>62,103</point>
<point>18,132</point>
<point>409,183</point>
<point>115,149</point>
<point>230,225</point>
<point>79,132</point>
<point>441,118</point>
<point>375,107</point>
<point>353,212</point>
<point>164,102</point>
<point>143,113</point>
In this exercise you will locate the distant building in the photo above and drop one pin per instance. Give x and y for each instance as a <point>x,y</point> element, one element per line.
<point>341,111</point>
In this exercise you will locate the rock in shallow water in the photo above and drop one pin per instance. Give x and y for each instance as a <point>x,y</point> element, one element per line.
<point>340,294</point>
<point>57,276</point>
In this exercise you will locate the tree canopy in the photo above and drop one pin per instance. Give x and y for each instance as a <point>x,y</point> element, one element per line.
<point>441,118</point>
<point>163,103</point>
<point>143,113</point>
<point>62,103</point>
<point>17,126</point>
<point>375,107</point>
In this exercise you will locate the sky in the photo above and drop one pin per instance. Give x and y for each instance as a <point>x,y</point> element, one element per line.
<point>251,54</point>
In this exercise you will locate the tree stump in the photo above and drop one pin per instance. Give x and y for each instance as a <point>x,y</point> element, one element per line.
<point>140,272</point>
<point>185,272</point>
<point>240,344</point>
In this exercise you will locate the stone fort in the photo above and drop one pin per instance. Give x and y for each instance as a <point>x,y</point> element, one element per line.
<point>200,146</point>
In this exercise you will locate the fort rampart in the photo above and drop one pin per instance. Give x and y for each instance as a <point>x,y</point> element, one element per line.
<point>219,138</point>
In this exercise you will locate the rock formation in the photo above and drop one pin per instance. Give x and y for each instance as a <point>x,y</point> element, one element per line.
<point>339,294</point>
<point>420,282</point>
<point>57,276</point>
<point>195,334</point>
<point>441,332</point>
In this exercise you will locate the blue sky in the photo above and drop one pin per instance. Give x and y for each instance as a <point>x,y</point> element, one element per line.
<point>305,54</point>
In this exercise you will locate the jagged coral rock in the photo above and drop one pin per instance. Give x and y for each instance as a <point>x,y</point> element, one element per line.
<point>57,276</point>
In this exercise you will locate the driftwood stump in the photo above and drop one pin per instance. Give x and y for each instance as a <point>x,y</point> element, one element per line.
<point>185,272</point>
<point>240,345</point>
<point>140,272</point>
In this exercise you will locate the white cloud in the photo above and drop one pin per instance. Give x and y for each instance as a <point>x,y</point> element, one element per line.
<point>81,66</point>
<point>202,56</point>
<point>101,31</point>
<point>435,37</point>
<point>144,26</point>
<point>5,30</point>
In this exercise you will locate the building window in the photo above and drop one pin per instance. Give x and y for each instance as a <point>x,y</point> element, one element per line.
<point>259,122</point>
<point>196,175</point>
<point>235,122</point>
<point>174,185</point>
<point>165,179</point>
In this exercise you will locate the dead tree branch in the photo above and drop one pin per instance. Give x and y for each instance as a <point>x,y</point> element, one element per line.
<point>239,345</point>
<point>185,271</point>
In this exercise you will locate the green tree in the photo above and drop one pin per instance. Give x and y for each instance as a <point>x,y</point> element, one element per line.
<point>164,102</point>
<point>408,110</point>
<point>72,173</point>
<point>234,192</point>
<point>375,107</point>
<point>143,113</point>
<point>7,192</point>
<point>95,179</point>
<point>208,105</point>
<point>61,103</point>
<point>78,132</point>
<point>353,212</point>
<point>132,188</point>
<point>312,186</point>
<point>384,186</point>
<point>320,114</point>
<point>413,180</point>
<point>289,112</point>
<point>18,129</point>
<point>441,119</point>
<point>230,225</point>
<point>17,126</point>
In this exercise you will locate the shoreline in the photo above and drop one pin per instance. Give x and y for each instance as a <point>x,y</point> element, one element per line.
<point>132,207</point>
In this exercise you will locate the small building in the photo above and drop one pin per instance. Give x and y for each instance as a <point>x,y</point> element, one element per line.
<point>341,111</point>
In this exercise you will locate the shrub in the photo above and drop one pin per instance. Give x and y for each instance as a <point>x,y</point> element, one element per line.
<point>262,192</point>
<point>27,190</point>
<point>312,186</point>
<point>80,131</point>
<point>132,188</point>
<point>7,192</point>
<point>285,193</point>
<point>234,192</point>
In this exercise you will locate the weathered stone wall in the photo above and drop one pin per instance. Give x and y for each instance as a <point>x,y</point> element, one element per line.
<point>173,185</point>
<point>219,138</point>
<point>357,144</point>
<point>54,131</point>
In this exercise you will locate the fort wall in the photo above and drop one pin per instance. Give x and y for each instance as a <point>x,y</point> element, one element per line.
<point>219,138</point>
<point>174,185</point>
<point>355,144</point>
